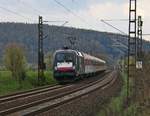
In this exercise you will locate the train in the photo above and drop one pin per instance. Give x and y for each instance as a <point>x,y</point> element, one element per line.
<point>70,65</point>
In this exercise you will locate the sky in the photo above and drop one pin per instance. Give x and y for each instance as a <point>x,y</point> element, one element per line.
<point>85,14</point>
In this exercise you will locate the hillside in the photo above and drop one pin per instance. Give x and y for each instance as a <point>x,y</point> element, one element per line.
<point>89,41</point>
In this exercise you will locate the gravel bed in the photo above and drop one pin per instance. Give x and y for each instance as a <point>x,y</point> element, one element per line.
<point>87,105</point>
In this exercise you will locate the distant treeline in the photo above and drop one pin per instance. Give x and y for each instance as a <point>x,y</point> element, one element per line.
<point>93,42</point>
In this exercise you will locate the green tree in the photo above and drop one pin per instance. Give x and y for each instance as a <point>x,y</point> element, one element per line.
<point>15,61</point>
<point>48,60</point>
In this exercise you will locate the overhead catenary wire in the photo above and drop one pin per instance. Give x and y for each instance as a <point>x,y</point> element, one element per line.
<point>146,34</point>
<point>31,7</point>
<point>116,19</point>
<point>38,12</point>
<point>13,12</point>
<point>120,44</point>
<point>16,13</point>
<point>70,11</point>
<point>114,27</point>
<point>124,20</point>
<point>57,21</point>
<point>63,22</point>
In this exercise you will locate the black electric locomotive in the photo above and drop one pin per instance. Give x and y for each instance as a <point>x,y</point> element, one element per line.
<point>69,65</point>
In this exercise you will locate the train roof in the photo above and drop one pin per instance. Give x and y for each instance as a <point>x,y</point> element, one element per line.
<point>93,57</point>
<point>86,56</point>
<point>65,50</point>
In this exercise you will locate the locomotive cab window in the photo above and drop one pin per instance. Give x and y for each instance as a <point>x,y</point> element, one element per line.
<point>65,57</point>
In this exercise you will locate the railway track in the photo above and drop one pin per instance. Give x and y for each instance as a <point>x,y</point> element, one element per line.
<point>16,93</point>
<point>16,100</point>
<point>27,93</point>
<point>52,98</point>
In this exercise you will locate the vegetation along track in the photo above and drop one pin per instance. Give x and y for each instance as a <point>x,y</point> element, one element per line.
<point>52,100</point>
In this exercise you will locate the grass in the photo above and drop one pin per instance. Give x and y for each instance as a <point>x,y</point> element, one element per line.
<point>10,85</point>
<point>116,105</point>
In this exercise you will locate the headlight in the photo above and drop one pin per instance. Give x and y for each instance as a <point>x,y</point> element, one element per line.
<point>55,68</point>
<point>74,67</point>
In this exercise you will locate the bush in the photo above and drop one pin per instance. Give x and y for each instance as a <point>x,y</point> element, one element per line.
<point>15,61</point>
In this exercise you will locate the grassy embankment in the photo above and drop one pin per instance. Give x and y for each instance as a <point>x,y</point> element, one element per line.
<point>141,104</point>
<point>10,85</point>
<point>116,105</point>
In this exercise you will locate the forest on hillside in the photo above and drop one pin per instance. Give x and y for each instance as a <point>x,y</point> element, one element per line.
<point>107,45</point>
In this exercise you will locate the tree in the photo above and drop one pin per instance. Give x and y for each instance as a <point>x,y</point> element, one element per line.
<point>15,61</point>
<point>48,60</point>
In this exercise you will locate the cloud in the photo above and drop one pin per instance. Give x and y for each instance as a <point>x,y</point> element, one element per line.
<point>89,12</point>
<point>107,10</point>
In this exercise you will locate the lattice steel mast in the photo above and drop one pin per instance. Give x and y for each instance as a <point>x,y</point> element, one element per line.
<point>41,77</point>
<point>139,38</point>
<point>131,44</point>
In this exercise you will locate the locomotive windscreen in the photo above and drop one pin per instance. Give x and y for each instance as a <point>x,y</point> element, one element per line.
<point>65,57</point>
